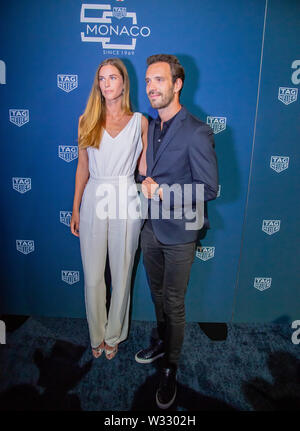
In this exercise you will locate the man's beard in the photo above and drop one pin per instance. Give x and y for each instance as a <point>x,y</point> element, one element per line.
<point>164,101</point>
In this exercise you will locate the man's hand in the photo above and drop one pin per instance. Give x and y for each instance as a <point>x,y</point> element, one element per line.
<point>149,187</point>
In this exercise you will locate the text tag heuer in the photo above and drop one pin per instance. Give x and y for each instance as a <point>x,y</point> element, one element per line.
<point>19,117</point>
<point>25,246</point>
<point>67,83</point>
<point>218,124</point>
<point>205,253</point>
<point>287,95</point>
<point>271,226</point>
<point>119,12</point>
<point>68,152</point>
<point>21,185</point>
<point>279,163</point>
<point>65,217</point>
<point>262,283</point>
<point>70,277</point>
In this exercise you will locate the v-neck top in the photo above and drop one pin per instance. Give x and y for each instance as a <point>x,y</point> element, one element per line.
<point>117,156</point>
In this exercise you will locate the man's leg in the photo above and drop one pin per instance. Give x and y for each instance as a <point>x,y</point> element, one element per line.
<point>178,260</point>
<point>154,264</point>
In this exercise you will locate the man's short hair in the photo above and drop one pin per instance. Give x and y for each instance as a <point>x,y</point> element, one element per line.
<point>177,70</point>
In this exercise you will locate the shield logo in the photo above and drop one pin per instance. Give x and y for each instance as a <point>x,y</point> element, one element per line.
<point>67,83</point>
<point>70,277</point>
<point>25,246</point>
<point>19,117</point>
<point>119,12</point>
<point>262,283</point>
<point>270,226</point>
<point>65,217</point>
<point>68,152</point>
<point>287,95</point>
<point>279,163</point>
<point>218,124</point>
<point>21,185</point>
<point>206,253</point>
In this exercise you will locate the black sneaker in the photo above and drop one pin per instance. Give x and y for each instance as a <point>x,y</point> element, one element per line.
<point>155,351</point>
<point>166,393</point>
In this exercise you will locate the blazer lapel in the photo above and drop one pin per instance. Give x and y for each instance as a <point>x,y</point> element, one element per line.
<point>175,126</point>
<point>149,154</point>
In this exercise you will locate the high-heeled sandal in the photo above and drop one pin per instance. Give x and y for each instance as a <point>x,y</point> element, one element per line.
<point>111,353</point>
<point>97,351</point>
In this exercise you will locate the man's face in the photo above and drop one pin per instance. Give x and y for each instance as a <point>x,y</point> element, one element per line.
<point>159,85</point>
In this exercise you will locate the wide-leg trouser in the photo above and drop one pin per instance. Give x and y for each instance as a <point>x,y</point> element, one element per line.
<point>119,238</point>
<point>168,268</point>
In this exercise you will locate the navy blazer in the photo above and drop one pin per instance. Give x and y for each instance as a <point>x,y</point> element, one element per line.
<point>185,156</point>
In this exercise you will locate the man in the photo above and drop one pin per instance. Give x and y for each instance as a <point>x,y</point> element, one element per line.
<point>180,151</point>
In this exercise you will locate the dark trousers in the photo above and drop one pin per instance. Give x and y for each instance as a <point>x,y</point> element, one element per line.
<point>168,268</point>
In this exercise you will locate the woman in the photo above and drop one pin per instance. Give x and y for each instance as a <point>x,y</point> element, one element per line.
<point>112,142</point>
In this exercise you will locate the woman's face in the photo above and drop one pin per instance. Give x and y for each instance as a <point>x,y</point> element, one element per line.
<point>110,82</point>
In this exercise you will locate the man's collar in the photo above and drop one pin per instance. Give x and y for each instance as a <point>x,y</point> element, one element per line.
<point>158,119</point>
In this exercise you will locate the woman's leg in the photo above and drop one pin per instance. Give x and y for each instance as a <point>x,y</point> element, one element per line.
<point>123,236</point>
<point>93,245</point>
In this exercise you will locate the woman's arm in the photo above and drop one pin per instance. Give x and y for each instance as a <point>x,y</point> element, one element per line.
<point>81,178</point>
<point>142,165</point>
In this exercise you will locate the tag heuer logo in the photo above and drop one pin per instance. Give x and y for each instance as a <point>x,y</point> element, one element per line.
<point>25,246</point>
<point>68,152</point>
<point>70,277</point>
<point>206,253</point>
<point>19,117</point>
<point>287,95</point>
<point>279,163</point>
<point>67,83</point>
<point>119,12</point>
<point>271,226</point>
<point>218,124</point>
<point>21,185</point>
<point>262,283</point>
<point>65,217</point>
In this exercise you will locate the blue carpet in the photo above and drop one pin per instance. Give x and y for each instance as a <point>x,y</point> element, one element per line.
<point>47,365</point>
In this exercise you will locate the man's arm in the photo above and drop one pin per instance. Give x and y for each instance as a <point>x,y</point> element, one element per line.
<point>203,162</point>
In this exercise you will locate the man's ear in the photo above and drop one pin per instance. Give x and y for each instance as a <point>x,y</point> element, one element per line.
<point>178,85</point>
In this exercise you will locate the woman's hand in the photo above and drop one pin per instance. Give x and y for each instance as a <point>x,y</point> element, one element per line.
<point>74,225</point>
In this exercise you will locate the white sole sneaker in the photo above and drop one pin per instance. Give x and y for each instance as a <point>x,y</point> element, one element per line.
<point>147,361</point>
<point>166,406</point>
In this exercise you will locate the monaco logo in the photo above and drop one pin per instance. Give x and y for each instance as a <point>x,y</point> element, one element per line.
<point>218,124</point>
<point>262,283</point>
<point>287,95</point>
<point>21,185</point>
<point>205,253</point>
<point>25,246</point>
<point>279,163</point>
<point>68,152</point>
<point>67,83</point>
<point>103,26</point>
<point>70,277</point>
<point>270,226</point>
<point>65,217</point>
<point>19,117</point>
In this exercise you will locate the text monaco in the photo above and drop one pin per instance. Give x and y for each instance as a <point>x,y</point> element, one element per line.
<point>110,30</point>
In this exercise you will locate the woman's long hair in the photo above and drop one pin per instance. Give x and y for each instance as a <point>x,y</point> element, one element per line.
<point>93,119</point>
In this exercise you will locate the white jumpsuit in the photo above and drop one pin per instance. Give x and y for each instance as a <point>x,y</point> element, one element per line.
<point>106,227</point>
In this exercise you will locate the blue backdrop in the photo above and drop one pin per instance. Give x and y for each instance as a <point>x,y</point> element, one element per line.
<point>242,65</point>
